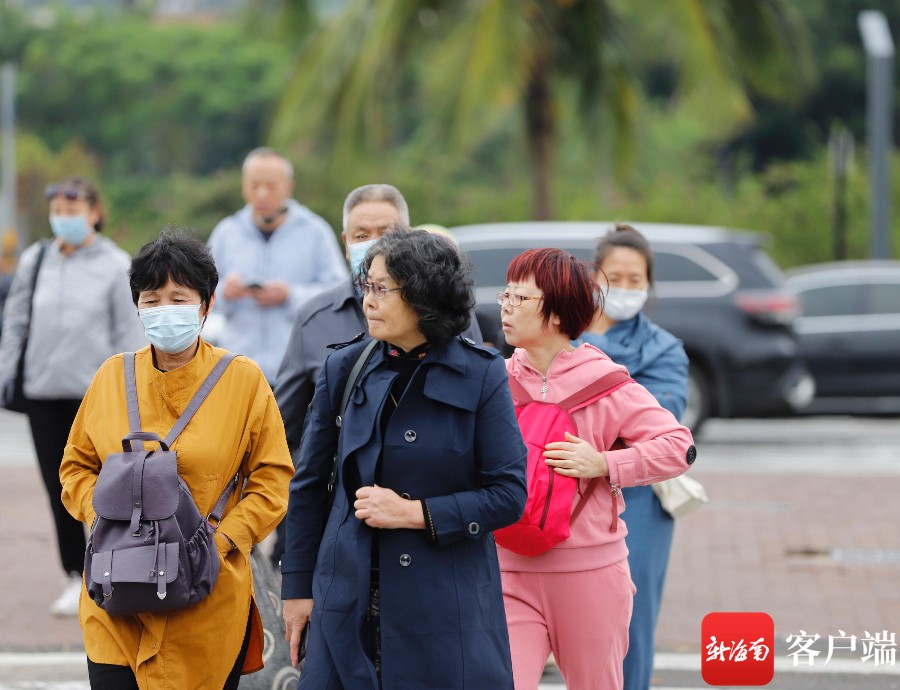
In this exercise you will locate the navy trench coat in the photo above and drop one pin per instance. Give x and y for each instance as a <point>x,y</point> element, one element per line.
<point>453,441</point>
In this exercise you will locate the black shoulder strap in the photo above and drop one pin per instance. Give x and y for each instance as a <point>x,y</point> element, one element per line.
<point>345,398</point>
<point>34,279</point>
<point>354,376</point>
<point>134,414</point>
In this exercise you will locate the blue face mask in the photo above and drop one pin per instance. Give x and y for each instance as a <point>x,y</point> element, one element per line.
<point>357,254</point>
<point>171,328</point>
<point>71,230</point>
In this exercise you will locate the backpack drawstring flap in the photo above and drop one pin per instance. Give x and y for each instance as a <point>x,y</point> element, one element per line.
<point>160,567</point>
<point>137,479</point>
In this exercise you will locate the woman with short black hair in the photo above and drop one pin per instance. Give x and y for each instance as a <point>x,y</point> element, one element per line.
<point>402,568</point>
<point>236,432</point>
<point>177,256</point>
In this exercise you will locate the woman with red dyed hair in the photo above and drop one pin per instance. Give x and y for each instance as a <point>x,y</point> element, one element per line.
<point>575,600</point>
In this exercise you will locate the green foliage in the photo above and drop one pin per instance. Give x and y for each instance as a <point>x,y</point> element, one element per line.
<point>161,115</point>
<point>797,128</point>
<point>151,99</point>
<point>484,59</point>
<point>15,33</point>
<point>147,205</point>
<point>37,166</point>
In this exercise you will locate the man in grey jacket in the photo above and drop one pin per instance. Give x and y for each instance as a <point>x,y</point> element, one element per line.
<point>336,315</point>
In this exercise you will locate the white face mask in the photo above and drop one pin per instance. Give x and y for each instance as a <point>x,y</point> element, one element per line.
<point>621,305</point>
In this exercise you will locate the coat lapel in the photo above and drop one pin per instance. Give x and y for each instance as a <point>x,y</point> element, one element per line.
<point>360,433</point>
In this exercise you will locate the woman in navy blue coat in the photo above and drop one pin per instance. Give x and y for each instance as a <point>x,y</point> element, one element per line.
<point>656,359</point>
<point>400,580</point>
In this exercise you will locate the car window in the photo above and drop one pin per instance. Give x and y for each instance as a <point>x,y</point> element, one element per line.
<point>681,270</point>
<point>688,271</point>
<point>884,298</point>
<point>768,268</point>
<point>672,267</point>
<point>832,300</point>
<point>491,263</point>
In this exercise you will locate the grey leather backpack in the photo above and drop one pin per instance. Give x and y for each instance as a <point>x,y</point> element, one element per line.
<point>150,550</point>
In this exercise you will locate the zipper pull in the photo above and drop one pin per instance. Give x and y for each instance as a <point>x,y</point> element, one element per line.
<point>544,388</point>
<point>615,508</point>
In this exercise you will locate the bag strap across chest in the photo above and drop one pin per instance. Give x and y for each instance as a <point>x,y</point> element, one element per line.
<point>135,438</point>
<point>599,388</point>
<point>134,414</point>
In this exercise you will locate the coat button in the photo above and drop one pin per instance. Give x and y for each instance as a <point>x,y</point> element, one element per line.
<point>405,560</point>
<point>474,528</point>
<point>409,435</point>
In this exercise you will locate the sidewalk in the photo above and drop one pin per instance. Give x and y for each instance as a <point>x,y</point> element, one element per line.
<point>30,571</point>
<point>818,552</point>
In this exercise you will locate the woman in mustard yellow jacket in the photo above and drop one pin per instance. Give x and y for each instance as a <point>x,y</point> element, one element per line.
<point>237,429</point>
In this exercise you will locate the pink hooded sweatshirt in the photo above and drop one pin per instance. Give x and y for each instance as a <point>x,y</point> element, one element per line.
<point>658,448</point>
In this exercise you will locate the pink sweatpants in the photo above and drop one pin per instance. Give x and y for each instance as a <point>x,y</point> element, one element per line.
<point>581,617</point>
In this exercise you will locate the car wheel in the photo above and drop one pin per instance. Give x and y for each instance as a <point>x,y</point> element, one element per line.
<point>699,402</point>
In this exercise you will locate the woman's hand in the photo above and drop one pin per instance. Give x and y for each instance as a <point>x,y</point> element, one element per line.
<point>575,457</point>
<point>383,508</point>
<point>224,544</point>
<point>296,613</point>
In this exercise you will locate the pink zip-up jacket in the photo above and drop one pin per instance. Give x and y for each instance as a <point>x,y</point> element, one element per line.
<point>658,448</point>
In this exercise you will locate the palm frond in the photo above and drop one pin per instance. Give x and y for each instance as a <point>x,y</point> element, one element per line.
<point>340,81</point>
<point>476,75</point>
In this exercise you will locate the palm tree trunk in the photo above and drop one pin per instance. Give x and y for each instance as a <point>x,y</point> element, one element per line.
<point>540,129</point>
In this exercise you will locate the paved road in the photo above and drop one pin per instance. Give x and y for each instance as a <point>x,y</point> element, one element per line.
<point>802,524</point>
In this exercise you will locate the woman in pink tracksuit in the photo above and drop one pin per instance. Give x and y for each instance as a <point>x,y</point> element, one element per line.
<point>575,600</point>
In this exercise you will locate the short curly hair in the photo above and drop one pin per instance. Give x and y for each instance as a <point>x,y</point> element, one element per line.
<point>436,279</point>
<point>175,254</point>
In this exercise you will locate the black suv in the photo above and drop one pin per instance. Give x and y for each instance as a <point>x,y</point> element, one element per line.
<point>849,334</point>
<point>715,289</point>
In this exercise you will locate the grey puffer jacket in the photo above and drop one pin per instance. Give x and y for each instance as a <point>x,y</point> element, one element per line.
<point>83,314</point>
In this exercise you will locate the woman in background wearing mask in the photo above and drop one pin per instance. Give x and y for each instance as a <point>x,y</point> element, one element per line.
<point>80,314</point>
<point>236,431</point>
<point>655,359</point>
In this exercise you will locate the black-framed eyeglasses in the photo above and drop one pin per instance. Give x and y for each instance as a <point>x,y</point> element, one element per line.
<point>514,299</point>
<point>380,291</point>
<point>51,191</point>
